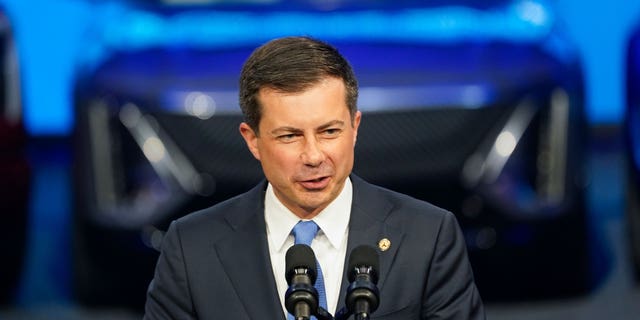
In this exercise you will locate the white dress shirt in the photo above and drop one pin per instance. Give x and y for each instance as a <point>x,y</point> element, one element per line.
<point>329,245</point>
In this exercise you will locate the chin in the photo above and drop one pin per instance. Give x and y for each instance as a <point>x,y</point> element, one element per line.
<point>315,203</point>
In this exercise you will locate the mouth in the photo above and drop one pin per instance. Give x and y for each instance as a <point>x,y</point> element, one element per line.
<point>315,184</point>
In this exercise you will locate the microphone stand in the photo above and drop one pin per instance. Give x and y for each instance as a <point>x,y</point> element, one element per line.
<point>343,314</point>
<point>323,314</point>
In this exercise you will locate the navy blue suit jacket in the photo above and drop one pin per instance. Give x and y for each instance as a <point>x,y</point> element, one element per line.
<point>214,264</point>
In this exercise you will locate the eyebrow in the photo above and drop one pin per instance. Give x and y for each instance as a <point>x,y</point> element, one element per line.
<point>329,124</point>
<point>280,130</point>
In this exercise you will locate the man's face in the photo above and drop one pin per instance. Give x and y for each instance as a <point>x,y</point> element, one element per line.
<point>306,144</point>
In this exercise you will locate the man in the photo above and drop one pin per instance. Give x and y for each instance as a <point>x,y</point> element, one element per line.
<point>299,97</point>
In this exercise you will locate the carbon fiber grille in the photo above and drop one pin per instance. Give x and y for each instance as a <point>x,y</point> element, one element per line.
<point>214,146</point>
<point>421,145</point>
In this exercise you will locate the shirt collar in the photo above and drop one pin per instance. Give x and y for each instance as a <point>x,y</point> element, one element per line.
<point>333,220</point>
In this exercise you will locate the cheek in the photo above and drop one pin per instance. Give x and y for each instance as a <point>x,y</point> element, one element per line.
<point>342,155</point>
<point>280,159</point>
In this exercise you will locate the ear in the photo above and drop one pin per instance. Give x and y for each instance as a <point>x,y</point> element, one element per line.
<point>356,124</point>
<point>251,138</point>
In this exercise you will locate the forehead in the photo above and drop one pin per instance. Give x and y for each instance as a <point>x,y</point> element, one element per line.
<point>324,99</point>
<point>329,90</point>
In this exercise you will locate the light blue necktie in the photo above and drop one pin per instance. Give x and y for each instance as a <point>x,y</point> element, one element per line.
<point>304,232</point>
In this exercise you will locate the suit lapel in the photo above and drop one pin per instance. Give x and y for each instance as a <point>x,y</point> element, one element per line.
<point>245,257</point>
<point>367,227</point>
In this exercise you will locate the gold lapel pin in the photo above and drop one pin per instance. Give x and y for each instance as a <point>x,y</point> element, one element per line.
<point>384,244</point>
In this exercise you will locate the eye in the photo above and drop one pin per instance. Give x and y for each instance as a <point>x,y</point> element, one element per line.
<point>331,132</point>
<point>287,137</point>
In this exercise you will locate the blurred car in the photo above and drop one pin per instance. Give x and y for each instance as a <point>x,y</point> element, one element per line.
<point>632,140</point>
<point>490,128</point>
<point>14,167</point>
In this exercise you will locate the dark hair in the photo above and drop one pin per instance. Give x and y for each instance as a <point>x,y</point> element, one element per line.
<point>292,65</point>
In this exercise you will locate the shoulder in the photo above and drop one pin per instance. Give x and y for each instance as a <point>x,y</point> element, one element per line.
<point>415,212</point>
<point>381,200</point>
<point>221,218</point>
<point>399,211</point>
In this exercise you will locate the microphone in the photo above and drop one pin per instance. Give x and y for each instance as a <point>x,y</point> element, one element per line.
<point>363,296</point>
<point>301,299</point>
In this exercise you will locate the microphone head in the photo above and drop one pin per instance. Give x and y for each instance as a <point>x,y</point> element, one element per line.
<point>300,256</point>
<point>367,257</point>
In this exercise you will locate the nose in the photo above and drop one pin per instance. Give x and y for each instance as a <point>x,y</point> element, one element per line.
<point>312,154</point>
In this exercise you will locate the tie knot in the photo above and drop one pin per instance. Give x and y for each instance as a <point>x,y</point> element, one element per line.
<point>304,232</point>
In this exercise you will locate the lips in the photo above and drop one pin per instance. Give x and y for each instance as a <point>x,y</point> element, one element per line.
<point>315,184</point>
